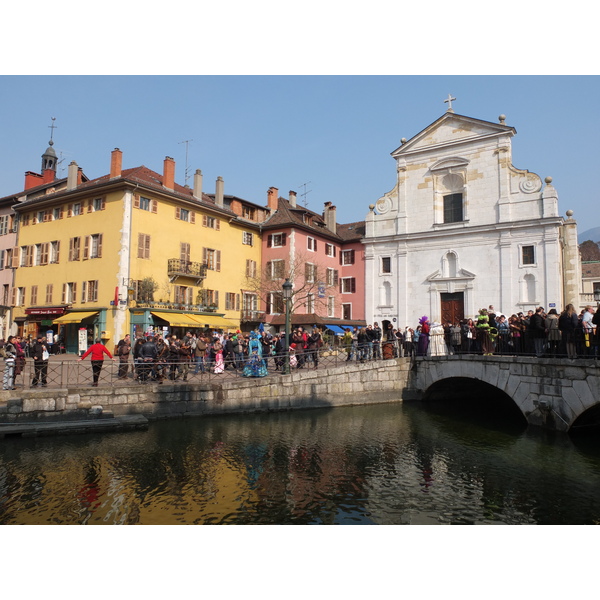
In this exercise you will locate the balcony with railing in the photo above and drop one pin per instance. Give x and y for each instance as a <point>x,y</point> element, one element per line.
<point>177,268</point>
<point>249,316</point>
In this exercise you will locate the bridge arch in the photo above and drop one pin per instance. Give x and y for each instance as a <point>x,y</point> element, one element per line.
<point>550,393</point>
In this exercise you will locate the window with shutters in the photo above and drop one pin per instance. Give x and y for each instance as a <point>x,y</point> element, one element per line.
<point>54,252</point>
<point>329,250</point>
<point>2,259</point>
<point>276,240</point>
<point>247,238</point>
<point>76,209</point>
<point>348,285</point>
<point>276,269</point>
<point>98,204</point>
<point>49,289</point>
<point>209,298</point>
<point>92,290</point>
<point>232,301</point>
<point>5,294</point>
<point>310,303</point>
<point>145,203</point>
<point>3,224</point>
<point>183,294</point>
<point>212,259</point>
<point>211,222</point>
<point>331,277</point>
<point>311,244</point>
<point>184,252</point>
<point>74,248</point>
<point>27,253</point>
<point>41,216</point>
<point>143,245</point>
<point>347,257</point>
<point>34,294</point>
<point>92,247</point>
<point>275,303</point>
<point>57,213</point>
<point>250,268</point>
<point>310,274</point>
<point>69,295</point>
<point>331,306</point>
<point>184,214</point>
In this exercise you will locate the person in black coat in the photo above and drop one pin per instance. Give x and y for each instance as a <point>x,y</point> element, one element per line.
<point>537,330</point>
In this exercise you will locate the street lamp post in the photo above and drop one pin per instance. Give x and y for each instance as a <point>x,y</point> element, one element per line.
<point>287,296</point>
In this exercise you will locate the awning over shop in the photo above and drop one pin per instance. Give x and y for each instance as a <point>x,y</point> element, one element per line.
<point>176,319</point>
<point>74,317</point>
<point>215,322</point>
<point>336,329</point>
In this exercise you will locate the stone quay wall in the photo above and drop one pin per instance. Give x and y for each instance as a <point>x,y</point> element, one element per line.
<point>343,385</point>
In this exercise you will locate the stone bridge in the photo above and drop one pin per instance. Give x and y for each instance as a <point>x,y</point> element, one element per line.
<point>551,393</point>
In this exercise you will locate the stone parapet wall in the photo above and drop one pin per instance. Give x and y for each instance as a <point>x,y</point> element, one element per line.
<point>345,385</point>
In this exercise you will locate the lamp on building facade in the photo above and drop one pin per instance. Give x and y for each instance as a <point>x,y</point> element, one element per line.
<point>287,296</point>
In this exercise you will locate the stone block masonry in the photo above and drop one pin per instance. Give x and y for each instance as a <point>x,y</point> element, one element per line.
<point>344,385</point>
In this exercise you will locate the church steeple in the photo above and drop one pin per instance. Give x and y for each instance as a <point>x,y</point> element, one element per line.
<point>49,159</point>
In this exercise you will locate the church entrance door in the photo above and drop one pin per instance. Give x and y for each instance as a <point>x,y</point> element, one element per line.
<point>453,307</point>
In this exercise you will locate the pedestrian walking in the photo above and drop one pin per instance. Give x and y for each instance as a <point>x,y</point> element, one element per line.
<point>10,354</point>
<point>97,350</point>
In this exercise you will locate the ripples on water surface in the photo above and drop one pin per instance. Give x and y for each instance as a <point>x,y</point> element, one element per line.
<point>386,464</point>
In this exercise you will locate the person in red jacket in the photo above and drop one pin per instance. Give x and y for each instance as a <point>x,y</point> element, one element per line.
<point>97,350</point>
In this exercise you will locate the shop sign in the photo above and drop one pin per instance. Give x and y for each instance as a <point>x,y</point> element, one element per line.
<point>45,311</point>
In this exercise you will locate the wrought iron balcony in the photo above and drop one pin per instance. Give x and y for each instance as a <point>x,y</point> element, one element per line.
<point>252,316</point>
<point>186,268</point>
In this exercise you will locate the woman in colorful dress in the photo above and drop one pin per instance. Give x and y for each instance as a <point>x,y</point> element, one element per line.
<point>219,362</point>
<point>255,365</point>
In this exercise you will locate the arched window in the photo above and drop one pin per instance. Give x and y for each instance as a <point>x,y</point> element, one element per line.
<point>386,294</point>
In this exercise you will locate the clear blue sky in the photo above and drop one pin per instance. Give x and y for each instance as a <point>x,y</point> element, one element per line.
<point>333,132</point>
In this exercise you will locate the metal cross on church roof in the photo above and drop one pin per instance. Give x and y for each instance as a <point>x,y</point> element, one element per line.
<point>449,101</point>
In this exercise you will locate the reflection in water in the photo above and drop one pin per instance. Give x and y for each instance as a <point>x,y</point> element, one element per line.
<point>386,464</point>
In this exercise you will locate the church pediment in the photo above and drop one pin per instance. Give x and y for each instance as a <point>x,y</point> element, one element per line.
<point>447,163</point>
<point>462,275</point>
<point>449,129</point>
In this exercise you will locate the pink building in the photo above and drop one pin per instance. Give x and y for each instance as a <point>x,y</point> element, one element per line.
<point>323,260</point>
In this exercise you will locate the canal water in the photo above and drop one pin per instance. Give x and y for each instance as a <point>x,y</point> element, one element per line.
<point>411,463</point>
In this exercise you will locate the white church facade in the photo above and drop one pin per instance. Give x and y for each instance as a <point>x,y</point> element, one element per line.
<point>463,229</point>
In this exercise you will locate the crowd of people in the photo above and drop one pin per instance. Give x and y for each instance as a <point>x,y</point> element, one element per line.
<point>156,358</point>
<point>535,333</point>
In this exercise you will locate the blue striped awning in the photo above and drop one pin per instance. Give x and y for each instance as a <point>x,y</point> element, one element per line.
<point>336,329</point>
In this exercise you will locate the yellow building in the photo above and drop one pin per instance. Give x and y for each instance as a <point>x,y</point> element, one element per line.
<point>131,252</point>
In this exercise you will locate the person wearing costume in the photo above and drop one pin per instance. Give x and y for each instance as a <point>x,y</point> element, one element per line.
<point>255,365</point>
<point>483,332</point>
<point>423,343</point>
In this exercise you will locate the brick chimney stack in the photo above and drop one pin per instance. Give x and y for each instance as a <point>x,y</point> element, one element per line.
<point>116,163</point>
<point>32,179</point>
<point>79,175</point>
<point>292,199</point>
<point>72,175</point>
<point>198,184</point>
<point>329,216</point>
<point>272,198</point>
<point>169,173</point>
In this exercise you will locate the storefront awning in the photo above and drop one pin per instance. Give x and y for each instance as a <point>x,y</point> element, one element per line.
<point>336,329</point>
<point>214,322</point>
<point>74,317</point>
<point>176,319</point>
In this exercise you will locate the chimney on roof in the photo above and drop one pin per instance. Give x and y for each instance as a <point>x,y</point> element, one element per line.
<point>72,175</point>
<point>79,175</point>
<point>329,215</point>
<point>219,192</point>
<point>116,163</point>
<point>272,198</point>
<point>198,184</point>
<point>292,199</point>
<point>32,179</point>
<point>169,173</point>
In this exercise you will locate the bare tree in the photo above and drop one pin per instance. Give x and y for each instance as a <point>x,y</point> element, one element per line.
<point>312,282</point>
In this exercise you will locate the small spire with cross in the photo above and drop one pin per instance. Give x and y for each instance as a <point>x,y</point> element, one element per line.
<point>449,101</point>
<point>52,128</point>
